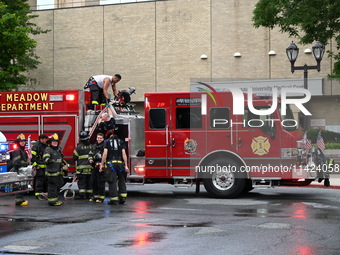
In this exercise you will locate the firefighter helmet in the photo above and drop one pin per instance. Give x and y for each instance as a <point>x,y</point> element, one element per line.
<point>21,138</point>
<point>84,136</point>
<point>54,137</point>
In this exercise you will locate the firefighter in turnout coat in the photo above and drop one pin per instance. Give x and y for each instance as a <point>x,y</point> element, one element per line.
<point>98,178</point>
<point>20,160</point>
<point>40,166</point>
<point>53,159</point>
<point>115,160</point>
<point>81,155</point>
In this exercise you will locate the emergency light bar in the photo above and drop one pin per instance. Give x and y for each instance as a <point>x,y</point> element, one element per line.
<point>70,97</point>
<point>4,147</point>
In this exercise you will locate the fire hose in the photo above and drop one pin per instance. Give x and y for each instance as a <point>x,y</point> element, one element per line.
<point>69,193</point>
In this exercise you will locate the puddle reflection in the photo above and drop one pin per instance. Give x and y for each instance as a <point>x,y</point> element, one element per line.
<point>300,211</point>
<point>141,207</point>
<point>142,238</point>
<point>303,250</point>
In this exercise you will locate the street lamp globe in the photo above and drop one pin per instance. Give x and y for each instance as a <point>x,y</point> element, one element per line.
<point>318,51</point>
<point>292,52</point>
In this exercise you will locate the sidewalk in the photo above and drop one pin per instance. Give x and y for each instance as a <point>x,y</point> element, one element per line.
<point>334,180</point>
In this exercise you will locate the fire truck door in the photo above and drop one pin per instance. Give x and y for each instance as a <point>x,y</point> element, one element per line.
<point>66,126</point>
<point>259,143</point>
<point>157,141</point>
<point>187,136</point>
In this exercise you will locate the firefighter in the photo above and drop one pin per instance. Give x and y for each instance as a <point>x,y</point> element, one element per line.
<point>20,159</point>
<point>81,155</point>
<point>107,125</point>
<point>53,159</point>
<point>99,86</point>
<point>39,164</point>
<point>115,160</point>
<point>97,178</point>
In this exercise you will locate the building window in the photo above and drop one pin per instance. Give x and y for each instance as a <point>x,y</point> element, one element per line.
<point>45,4</point>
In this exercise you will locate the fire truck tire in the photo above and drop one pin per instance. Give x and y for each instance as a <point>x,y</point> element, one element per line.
<point>248,186</point>
<point>225,184</point>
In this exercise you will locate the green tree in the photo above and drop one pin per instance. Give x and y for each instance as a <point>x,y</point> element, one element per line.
<point>308,20</point>
<point>17,48</point>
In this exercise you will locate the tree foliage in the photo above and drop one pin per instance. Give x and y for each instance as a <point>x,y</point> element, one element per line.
<point>308,20</point>
<point>17,48</point>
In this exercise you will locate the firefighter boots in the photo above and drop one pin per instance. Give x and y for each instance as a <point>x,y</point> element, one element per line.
<point>23,203</point>
<point>122,200</point>
<point>57,203</point>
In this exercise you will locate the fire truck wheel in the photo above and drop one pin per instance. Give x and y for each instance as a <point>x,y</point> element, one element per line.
<point>225,183</point>
<point>248,186</point>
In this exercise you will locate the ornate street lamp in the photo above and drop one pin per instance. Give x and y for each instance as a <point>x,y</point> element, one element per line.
<point>292,52</point>
<point>318,51</point>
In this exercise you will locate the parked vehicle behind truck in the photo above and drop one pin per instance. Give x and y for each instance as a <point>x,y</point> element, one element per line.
<point>12,182</point>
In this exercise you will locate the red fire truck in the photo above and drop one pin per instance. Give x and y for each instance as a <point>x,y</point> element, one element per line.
<point>182,139</point>
<point>191,137</point>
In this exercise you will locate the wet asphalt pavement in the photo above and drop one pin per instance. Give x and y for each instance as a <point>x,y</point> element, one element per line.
<point>160,219</point>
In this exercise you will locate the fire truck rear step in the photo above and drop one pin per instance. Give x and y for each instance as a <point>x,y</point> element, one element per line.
<point>183,182</point>
<point>135,180</point>
<point>262,184</point>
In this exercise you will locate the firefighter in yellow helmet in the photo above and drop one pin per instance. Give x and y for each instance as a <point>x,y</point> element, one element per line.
<point>53,159</point>
<point>20,159</point>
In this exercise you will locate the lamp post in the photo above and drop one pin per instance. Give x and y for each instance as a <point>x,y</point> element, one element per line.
<point>292,52</point>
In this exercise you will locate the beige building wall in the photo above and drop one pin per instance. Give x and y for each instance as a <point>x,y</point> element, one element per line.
<point>33,4</point>
<point>156,46</point>
<point>326,108</point>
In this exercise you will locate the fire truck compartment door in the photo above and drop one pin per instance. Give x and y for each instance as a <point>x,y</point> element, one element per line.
<point>67,128</point>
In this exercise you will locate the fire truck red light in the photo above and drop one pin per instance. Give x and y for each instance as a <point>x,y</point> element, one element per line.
<point>70,97</point>
<point>139,169</point>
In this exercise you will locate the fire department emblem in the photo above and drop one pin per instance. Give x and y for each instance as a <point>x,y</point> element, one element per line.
<point>260,145</point>
<point>190,146</point>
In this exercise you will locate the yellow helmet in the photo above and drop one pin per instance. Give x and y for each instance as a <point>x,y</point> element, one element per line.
<point>21,138</point>
<point>54,137</point>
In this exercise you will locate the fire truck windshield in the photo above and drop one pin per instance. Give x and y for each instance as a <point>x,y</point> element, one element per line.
<point>289,117</point>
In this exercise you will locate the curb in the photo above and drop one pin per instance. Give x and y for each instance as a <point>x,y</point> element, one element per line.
<point>320,186</point>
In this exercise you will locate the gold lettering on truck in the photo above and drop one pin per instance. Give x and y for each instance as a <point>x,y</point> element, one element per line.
<point>27,102</point>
